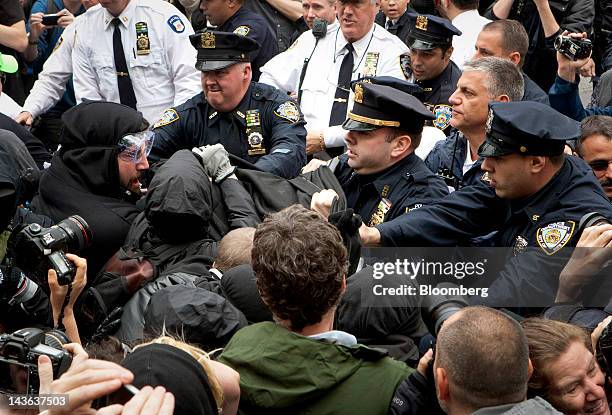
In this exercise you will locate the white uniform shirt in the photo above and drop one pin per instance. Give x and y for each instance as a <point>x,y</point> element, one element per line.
<point>57,70</point>
<point>470,23</point>
<point>376,54</point>
<point>162,78</point>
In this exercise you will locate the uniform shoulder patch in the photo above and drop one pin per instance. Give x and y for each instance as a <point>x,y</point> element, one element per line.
<point>242,30</point>
<point>59,43</point>
<point>176,24</point>
<point>554,236</point>
<point>443,114</point>
<point>406,65</point>
<point>168,117</point>
<point>289,111</point>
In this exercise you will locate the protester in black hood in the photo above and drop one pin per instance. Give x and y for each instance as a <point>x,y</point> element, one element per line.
<point>103,154</point>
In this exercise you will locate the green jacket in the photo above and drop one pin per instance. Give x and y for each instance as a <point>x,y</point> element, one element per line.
<point>284,373</point>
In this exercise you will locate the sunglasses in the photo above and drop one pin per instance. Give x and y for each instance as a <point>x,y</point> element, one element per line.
<point>599,165</point>
<point>132,147</point>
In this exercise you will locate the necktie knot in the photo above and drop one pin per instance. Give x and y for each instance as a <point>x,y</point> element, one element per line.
<point>116,21</point>
<point>350,47</point>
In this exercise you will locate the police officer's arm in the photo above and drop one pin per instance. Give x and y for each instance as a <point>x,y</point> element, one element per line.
<point>181,56</point>
<point>51,83</point>
<point>283,71</point>
<point>458,217</point>
<point>84,75</point>
<point>530,279</point>
<point>287,134</point>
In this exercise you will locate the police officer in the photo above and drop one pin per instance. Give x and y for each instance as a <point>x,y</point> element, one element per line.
<point>232,16</point>
<point>381,176</point>
<point>253,121</point>
<point>135,52</point>
<point>530,193</point>
<point>429,64</point>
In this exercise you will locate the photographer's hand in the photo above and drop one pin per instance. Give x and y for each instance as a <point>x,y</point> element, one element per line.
<point>585,263</point>
<point>567,68</point>
<point>148,401</point>
<point>59,292</point>
<point>85,381</point>
<point>424,362</point>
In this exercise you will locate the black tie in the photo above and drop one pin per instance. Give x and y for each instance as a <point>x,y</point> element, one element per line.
<point>338,112</point>
<point>126,90</point>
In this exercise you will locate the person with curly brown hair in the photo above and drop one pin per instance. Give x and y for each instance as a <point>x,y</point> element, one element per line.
<point>299,364</point>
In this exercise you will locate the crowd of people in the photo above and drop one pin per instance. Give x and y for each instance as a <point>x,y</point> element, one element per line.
<point>207,223</point>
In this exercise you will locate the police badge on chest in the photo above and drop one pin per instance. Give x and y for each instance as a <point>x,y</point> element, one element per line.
<point>255,139</point>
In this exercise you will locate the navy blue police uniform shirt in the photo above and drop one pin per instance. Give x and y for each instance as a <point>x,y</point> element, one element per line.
<point>436,93</point>
<point>266,129</point>
<point>248,23</point>
<point>382,197</point>
<point>476,210</point>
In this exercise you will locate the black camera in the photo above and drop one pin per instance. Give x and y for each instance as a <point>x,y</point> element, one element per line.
<point>33,244</point>
<point>19,358</point>
<point>574,49</point>
<point>436,309</point>
<point>603,350</point>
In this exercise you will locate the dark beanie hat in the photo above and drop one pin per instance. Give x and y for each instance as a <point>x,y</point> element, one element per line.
<point>177,371</point>
<point>99,123</point>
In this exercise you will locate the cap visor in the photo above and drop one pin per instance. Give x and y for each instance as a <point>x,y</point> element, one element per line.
<point>489,149</point>
<point>353,125</point>
<point>8,64</point>
<point>421,44</point>
<point>206,66</point>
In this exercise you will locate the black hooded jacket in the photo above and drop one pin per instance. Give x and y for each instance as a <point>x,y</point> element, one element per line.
<point>84,176</point>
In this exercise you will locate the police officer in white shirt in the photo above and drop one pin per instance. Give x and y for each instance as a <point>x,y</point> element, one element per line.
<point>463,14</point>
<point>325,94</point>
<point>57,71</point>
<point>155,70</point>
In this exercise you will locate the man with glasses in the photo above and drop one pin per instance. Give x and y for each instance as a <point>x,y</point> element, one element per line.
<point>96,174</point>
<point>595,147</point>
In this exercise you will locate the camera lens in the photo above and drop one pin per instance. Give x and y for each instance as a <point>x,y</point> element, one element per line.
<point>592,219</point>
<point>79,234</point>
<point>56,339</point>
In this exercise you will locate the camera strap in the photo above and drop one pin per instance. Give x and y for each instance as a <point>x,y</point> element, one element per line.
<point>60,319</point>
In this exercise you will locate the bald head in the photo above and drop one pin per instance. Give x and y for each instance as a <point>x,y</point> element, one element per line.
<point>485,356</point>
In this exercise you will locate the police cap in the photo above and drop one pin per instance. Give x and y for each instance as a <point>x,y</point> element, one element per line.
<point>526,127</point>
<point>379,106</point>
<point>428,32</point>
<point>218,50</point>
<point>393,82</point>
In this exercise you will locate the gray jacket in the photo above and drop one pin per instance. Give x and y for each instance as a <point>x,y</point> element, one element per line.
<point>535,406</point>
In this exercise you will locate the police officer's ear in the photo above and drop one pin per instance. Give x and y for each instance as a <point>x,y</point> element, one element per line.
<point>537,163</point>
<point>401,144</point>
<point>448,53</point>
<point>515,58</point>
<point>233,4</point>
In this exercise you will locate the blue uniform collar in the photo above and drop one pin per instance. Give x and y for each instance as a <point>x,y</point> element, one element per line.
<point>240,12</point>
<point>539,203</point>
<point>239,113</point>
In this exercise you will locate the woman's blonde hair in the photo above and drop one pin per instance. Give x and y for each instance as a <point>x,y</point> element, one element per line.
<point>198,354</point>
